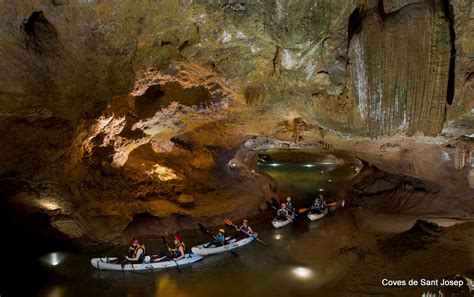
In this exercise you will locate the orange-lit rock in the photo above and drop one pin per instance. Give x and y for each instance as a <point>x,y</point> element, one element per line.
<point>110,114</point>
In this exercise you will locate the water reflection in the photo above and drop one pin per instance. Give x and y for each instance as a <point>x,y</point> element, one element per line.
<point>302,272</point>
<point>53,259</point>
<point>168,286</point>
<point>55,291</point>
<point>303,174</point>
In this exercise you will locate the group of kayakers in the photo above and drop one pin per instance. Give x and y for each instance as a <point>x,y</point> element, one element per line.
<point>287,209</point>
<point>319,205</point>
<point>138,259</point>
<point>136,252</point>
<point>220,239</point>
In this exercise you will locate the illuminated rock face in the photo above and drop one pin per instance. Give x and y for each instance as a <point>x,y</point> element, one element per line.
<point>117,114</point>
<point>400,63</point>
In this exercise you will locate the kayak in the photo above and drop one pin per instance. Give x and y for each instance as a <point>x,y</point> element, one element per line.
<point>157,263</point>
<point>278,224</point>
<point>317,216</point>
<point>201,250</point>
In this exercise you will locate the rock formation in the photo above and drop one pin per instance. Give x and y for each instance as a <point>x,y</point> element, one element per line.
<point>119,112</point>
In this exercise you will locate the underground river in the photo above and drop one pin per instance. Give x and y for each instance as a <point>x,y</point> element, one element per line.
<point>347,253</point>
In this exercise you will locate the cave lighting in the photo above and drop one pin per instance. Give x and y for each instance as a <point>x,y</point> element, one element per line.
<point>330,180</point>
<point>320,190</point>
<point>309,165</point>
<point>48,204</point>
<point>53,259</point>
<point>322,171</point>
<point>274,164</point>
<point>162,172</point>
<point>301,272</point>
<point>277,237</point>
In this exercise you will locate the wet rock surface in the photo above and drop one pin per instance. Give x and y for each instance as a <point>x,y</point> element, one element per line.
<point>416,238</point>
<point>109,112</point>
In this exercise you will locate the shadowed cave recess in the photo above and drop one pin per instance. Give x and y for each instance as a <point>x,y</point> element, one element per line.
<point>125,119</point>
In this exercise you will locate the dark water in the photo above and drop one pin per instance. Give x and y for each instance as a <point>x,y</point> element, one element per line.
<point>300,257</point>
<point>303,259</point>
<point>303,174</point>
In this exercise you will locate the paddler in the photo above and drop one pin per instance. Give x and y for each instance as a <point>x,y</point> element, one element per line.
<point>244,230</point>
<point>282,213</point>
<point>316,207</point>
<point>289,206</point>
<point>322,201</point>
<point>179,250</point>
<point>219,239</point>
<point>137,252</point>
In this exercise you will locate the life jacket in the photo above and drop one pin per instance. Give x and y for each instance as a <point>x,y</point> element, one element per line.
<point>316,207</point>
<point>282,213</point>
<point>142,255</point>
<point>244,228</point>
<point>290,207</point>
<point>177,253</point>
<point>220,238</point>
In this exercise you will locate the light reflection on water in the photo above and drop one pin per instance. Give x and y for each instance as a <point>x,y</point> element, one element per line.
<point>304,174</point>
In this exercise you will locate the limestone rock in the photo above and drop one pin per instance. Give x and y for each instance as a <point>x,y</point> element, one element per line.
<point>185,200</point>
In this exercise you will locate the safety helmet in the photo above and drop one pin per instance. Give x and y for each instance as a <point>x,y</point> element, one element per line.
<point>283,205</point>
<point>136,240</point>
<point>222,231</point>
<point>246,221</point>
<point>288,199</point>
<point>178,238</point>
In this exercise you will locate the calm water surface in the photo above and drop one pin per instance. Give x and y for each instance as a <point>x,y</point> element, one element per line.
<point>303,259</point>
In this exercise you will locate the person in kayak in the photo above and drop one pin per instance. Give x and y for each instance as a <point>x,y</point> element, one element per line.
<point>180,249</point>
<point>219,239</point>
<point>282,213</point>
<point>137,252</point>
<point>289,206</point>
<point>322,201</point>
<point>244,231</point>
<point>316,207</point>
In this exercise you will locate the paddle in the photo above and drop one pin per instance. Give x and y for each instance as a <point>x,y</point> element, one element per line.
<point>163,239</point>
<point>207,232</point>
<point>301,210</point>
<point>270,205</point>
<point>227,221</point>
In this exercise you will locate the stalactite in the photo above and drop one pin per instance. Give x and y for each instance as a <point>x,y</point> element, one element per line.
<point>464,151</point>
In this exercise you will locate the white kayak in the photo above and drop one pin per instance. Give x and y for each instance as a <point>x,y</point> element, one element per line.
<point>282,223</point>
<point>316,216</point>
<point>202,250</point>
<point>157,263</point>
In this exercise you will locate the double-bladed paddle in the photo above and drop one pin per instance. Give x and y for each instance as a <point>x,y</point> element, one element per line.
<point>163,239</point>
<point>227,221</point>
<point>207,232</point>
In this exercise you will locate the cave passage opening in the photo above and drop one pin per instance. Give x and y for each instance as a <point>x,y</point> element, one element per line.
<point>304,173</point>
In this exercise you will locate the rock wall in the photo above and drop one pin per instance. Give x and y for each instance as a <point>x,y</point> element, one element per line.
<point>400,61</point>
<point>113,109</point>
